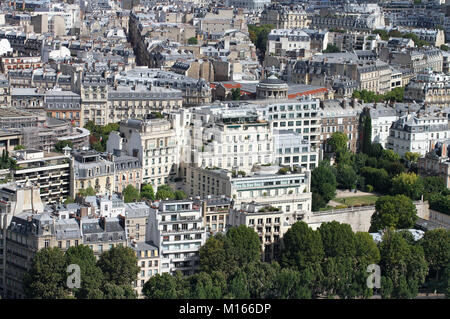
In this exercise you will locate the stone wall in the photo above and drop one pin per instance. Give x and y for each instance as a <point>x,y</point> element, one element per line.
<point>357,217</point>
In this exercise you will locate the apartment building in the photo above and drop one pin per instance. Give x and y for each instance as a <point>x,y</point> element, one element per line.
<point>382,117</point>
<point>138,101</point>
<point>436,163</point>
<point>149,262</point>
<point>301,116</point>
<point>417,133</point>
<point>270,223</point>
<point>177,228</point>
<point>51,172</point>
<point>292,150</point>
<point>215,209</point>
<point>281,42</point>
<point>63,105</point>
<point>153,142</point>
<point>94,98</point>
<point>341,116</point>
<point>283,17</point>
<point>91,170</point>
<point>429,87</point>
<point>286,190</point>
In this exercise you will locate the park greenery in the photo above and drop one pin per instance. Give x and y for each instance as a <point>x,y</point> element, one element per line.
<point>62,144</point>
<point>378,170</point>
<point>328,262</point>
<point>331,48</point>
<point>385,35</point>
<point>110,277</point>
<point>370,97</point>
<point>258,35</point>
<point>99,134</point>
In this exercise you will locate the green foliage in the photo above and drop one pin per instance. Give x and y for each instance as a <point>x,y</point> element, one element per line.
<point>440,203</point>
<point>367,135</point>
<point>346,177</point>
<point>87,192</point>
<point>69,200</point>
<point>180,194</point>
<point>338,140</point>
<point>165,191</point>
<point>331,48</point>
<point>130,194</point>
<point>383,34</point>
<point>244,245</point>
<point>408,184</point>
<point>323,183</point>
<point>302,247</point>
<point>147,192</point>
<point>412,157</point>
<point>258,35</point>
<point>444,47</point>
<point>404,267</point>
<point>62,144</point>
<point>436,246</point>
<point>367,251</point>
<point>192,41</point>
<point>377,177</point>
<point>119,265</point>
<point>100,134</point>
<point>19,147</point>
<point>371,97</point>
<point>236,94</point>
<point>47,276</point>
<point>398,212</point>
<point>90,273</point>
<point>7,162</point>
<point>338,239</point>
<point>163,286</point>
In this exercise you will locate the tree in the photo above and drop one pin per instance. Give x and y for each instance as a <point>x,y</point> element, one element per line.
<point>203,286</point>
<point>214,257</point>
<point>377,177</point>
<point>444,47</point>
<point>69,200</point>
<point>192,41</point>
<point>412,157</point>
<point>287,284</point>
<point>244,245</point>
<point>90,274</point>
<point>302,247</point>
<point>331,48</point>
<point>130,194</point>
<point>390,155</point>
<point>238,286</point>
<point>47,277</point>
<point>161,287</point>
<point>236,94</point>
<point>19,147</point>
<point>433,185</point>
<point>179,194</point>
<point>367,251</point>
<point>163,192</point>
<point>346,177</point>
<point>367,135</point>
<point>403,266</point>
<point>147,192</point>
<point>113,291</point>
<point>408,184</point>
<point>397,211</point>
<point>338,239</point>
<point>338,140</point>
<point>260,277</point>
<point>258,35</point>
<point>436,246</point>
<point>62,144</point>
<point>119,265</point>
<point>87,192</point>
<point>323,182</point>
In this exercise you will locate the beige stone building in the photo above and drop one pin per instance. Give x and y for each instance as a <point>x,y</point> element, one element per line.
<point>154,143</point>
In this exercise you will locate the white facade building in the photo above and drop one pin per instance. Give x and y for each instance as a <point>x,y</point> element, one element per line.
<point>417,133</point>
<point>177,229</point>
